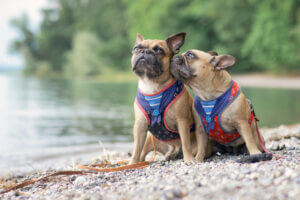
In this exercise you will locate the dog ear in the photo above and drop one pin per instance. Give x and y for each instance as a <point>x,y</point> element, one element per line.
<point>223,61</point>
<point>175,41</point>
<point>212,53</point>
<point>139,38</point>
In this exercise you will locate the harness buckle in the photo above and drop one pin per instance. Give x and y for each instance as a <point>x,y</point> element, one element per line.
<point>155,113</point>
<point>208,119</point>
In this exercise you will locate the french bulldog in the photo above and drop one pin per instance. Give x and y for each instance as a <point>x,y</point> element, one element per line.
<point>163,106</point>
<point>222,113</point>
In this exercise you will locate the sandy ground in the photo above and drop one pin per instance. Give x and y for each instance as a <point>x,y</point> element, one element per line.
<point>267,81</point>
<point>219,177</point>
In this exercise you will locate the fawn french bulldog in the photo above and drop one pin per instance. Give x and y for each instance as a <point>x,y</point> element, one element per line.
<point>222,113</point>
<point>163,106</point>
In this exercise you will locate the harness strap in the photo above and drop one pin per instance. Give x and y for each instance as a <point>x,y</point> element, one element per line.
<point>261,141</point>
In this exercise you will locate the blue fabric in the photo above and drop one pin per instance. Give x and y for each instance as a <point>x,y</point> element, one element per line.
<point>155,107</point>
<point>154,102</point>
<point>208,107</point>
<point>220,104</point>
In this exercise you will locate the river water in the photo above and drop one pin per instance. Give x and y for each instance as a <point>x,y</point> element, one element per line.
<point>47,120</point>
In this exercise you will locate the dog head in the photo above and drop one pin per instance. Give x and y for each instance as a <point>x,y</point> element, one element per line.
<point>198,66</point>
<point>151,58</point>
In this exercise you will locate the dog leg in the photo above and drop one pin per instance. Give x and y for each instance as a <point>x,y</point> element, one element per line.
<point>246,132</point>
<point>256,154</point>
<point>255,135</point>
<point>202,141</point>
<point>170,154</point>
<point>147,147</point>
<point>185,137</point>
<point>139,134</point>
<point>208,150</point>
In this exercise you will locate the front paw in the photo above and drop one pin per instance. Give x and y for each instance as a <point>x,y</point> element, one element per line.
<point>189,160</point>
<point>133,161</point>
<point>199,157</point>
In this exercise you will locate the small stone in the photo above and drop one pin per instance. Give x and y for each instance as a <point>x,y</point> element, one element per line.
<point>290,148</point>
<point>198,184</point>
<point>72,178</point>
<point>80,180</point>
<point>17,193</point>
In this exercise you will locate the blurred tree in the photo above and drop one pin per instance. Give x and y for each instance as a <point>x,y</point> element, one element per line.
<point>56,33</point>
<point>210,25</point>
<point>158,19</point>
<point>261,35</point>
<point>231,24</point>
<point>271,44</point>
<point>83,60</point>
<point>26,44</point>
<point>107,19</point>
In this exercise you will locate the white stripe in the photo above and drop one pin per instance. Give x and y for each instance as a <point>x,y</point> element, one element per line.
<point>147,98</point>
<point>154,104</point>
<point>208,106</point>
<point>208,113</point>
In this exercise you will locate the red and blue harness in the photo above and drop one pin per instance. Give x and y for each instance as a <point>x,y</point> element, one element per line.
<point>210,113</point>
<point>155,107</point>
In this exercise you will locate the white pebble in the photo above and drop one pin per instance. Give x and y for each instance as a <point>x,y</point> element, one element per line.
<point>80,180</point>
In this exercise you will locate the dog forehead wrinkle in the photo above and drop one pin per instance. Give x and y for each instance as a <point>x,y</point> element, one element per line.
<point>160,43</point>
<point>139,46</point>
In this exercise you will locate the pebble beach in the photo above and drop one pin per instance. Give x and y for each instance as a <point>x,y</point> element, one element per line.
<point>218,177</point>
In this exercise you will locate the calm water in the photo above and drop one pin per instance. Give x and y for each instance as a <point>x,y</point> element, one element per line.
<point>39,117</point>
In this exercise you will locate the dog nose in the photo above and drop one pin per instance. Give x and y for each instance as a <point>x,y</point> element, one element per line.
<point>178,60</point>
<point>146,51</point>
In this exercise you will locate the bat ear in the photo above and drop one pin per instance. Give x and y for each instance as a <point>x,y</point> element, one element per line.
<point>223,61</point>
<point>139,38</point>
<point>176,41</point>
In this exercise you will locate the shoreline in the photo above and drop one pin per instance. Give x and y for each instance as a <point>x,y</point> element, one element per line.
<point>218,177</point>
<point>267,81</point>
<point>256,80</point>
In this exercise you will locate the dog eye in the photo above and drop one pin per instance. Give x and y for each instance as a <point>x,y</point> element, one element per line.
<point>190,55</point>
<point>136,48</point>
<point>157,50</point>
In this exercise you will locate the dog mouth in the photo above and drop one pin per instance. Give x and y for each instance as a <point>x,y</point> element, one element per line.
<point>147,65</point>
<point>141,61</point>
<point>180,70</point>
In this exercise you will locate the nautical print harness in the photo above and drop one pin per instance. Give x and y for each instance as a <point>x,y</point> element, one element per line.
<point>155,107</point>
<point>210,113</point>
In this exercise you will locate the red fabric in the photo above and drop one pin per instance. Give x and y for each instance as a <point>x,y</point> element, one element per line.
<point>234,90</point>
<point>218,134</point>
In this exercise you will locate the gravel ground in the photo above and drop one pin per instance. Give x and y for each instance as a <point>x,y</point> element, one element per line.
<point>219,177</point>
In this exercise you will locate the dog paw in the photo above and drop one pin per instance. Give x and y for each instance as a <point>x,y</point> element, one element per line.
<point>189,160</point>
<point>255,158</point>
<point>199,158</point>
<point>133,161</point>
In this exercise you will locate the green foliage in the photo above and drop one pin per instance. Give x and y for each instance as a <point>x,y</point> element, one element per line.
<point>83,60</point>
<point>26,44</point>
<point>270,43</point>
<point>80,38</point>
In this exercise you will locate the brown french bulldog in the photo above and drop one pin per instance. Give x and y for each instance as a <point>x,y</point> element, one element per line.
<point>163,107</point>
<point>221,111</point>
